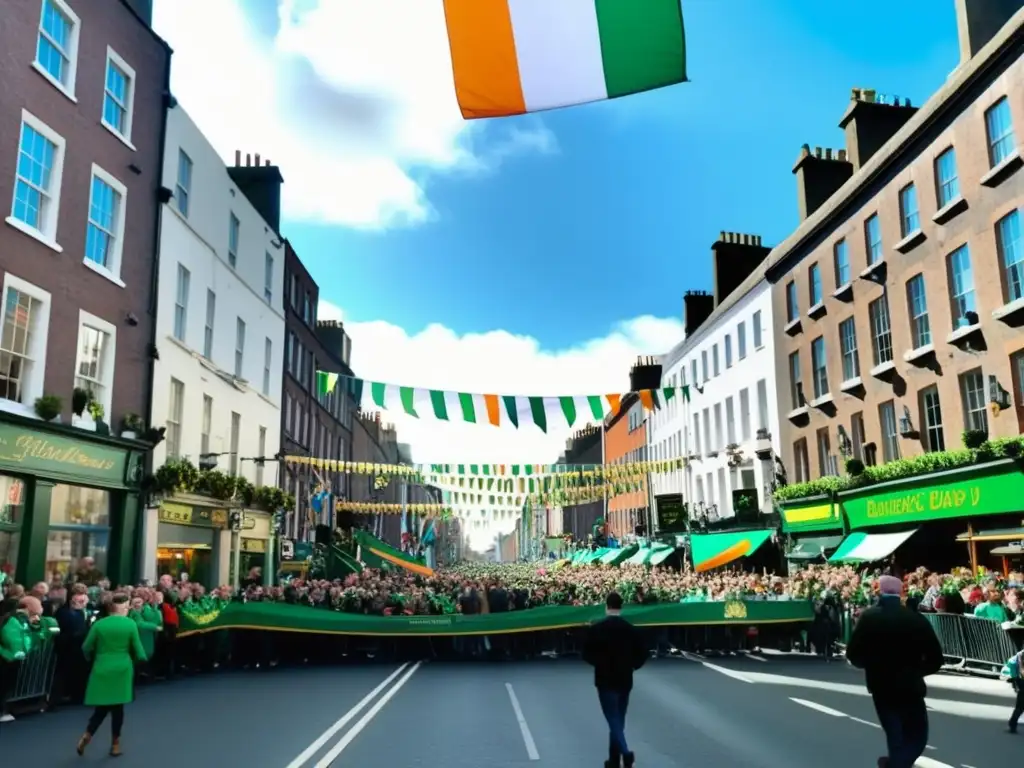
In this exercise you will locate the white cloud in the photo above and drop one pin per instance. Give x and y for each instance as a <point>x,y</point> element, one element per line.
<point>353,99</point>
<point>500,362</point>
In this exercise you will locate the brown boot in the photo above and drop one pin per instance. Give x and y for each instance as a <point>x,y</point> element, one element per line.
<point>115,748</point>
<point>83,743</point>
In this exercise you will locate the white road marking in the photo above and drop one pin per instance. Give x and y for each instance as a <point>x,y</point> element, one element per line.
<point>755,657</point>
<point>819,707</point>
<point>356,729</point>
<point>864,722</point>
<point>727,672</point>
<point>531,746</point>
<point>327,735</point>
<point>692,656</point>
<point>927,762</point>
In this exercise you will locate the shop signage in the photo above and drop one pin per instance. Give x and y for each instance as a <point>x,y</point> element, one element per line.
<point>184,514</point>
<point>820,516</point>
<point>31,452</point>
<point>254,546</point>
<point>673,513</point>
<point>992,495</point>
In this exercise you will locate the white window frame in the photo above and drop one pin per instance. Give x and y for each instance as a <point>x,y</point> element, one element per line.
<point>234,233</point>
<point>48,235</point>
<point>129,108</point>
<point>175,419</point>
<point>34,386</point>
<point>268,278</point>
<point>208,327</point>
<point>112,272</point>
<point>206,424</point>
<point>268,356</point>
<point>181,301</point>
<point>755,331</point>
<point>106,378</point>
<point>261,447</point>
<point>179,186</point>
<point>240,329</point>
<point>76,27</point>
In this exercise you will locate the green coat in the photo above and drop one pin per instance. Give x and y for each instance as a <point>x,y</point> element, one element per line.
<point>113,644</point>
<point>16,637</point>
<point>148,629</point>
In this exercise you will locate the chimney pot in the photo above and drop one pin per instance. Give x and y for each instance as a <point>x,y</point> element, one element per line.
<point>268,163</point>
<point>721,236</point>
<point>817,152</point>
<point>248,159</point>
<point>805,150</point>
<point>238,157</point>
<point>828,153</point>
<point>257,159</point>
<point>842,155</point>
<point>869,95</point>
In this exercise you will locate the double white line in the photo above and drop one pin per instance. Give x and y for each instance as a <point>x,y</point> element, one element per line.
<point>332,754</point>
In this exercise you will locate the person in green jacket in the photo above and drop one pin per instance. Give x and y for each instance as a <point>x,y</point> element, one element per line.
<point>18,634</point>
<point>148,625</point>
<point>113,644</point>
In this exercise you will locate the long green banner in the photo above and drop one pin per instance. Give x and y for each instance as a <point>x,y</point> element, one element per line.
<point>296,618</point>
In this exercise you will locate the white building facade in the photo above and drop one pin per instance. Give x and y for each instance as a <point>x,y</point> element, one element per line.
<point>728,363</point>
<point>220,327</point>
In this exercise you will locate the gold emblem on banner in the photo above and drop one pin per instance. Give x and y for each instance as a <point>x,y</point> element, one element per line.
<point>735,609</point>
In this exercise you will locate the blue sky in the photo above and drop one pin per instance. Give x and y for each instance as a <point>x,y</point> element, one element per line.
<point>561,246</point>
<point>536,255</point>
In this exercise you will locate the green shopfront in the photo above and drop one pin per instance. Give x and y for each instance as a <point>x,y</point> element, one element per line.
<point>814,528</point>
<point>69,502</point>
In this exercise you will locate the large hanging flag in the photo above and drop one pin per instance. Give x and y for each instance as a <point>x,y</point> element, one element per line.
<point>497,410</point>
<point>510,57</point>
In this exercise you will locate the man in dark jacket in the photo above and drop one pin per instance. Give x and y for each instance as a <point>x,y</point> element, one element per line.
<point>615,649</point>
<point>897,648</point>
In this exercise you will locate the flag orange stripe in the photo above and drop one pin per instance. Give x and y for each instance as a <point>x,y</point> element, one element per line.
<point>646,399</point>
<point>423,570</point>
<point>484,58</point>
<point>493,412</point>
<point>614,402</point>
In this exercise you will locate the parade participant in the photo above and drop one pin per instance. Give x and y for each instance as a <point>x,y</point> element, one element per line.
<point>1014,672</point>
<point>897,648</point>
<point>615,649</point>
<point>113,645</point>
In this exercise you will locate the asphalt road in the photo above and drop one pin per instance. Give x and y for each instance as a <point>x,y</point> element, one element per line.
<point>760,712</point>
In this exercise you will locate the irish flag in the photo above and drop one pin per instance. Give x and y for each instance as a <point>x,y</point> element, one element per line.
<point>516,56</point>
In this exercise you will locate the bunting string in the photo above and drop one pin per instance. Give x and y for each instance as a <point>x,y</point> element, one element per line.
<point>542,411</point>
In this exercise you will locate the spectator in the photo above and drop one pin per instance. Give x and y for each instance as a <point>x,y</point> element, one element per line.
<point>73,620</point>
<point>87,573</point>
<point>993,609</point>
<point>16,640</point>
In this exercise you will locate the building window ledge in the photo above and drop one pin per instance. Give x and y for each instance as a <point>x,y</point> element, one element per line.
<point>118,135</point>
<point>1007,311</point>
<point>54,82</point>
<point>1004,170</point>
<point>825,399</point>
<point>918,353</point>
<point>851,385</point>
<point>962,333</point>
<point>104,272</point>
<point>35,234</point>
<point>910,242</point>
<point>950,210</point>
<point>817,310</point>
<point>798,413</point>
<point>882,369</point>
<point>869,271</point>
<point>843,292</point>
<point>19,409</point>
<point>793,327</point>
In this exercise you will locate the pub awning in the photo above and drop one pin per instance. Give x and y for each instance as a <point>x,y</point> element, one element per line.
<point>713,550</point>
<point>862,547</point>
<point>813,547</point>
<point>618,556</point>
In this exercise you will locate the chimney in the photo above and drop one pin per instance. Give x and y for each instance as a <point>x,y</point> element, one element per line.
<point>332,335</point>
<point>734,258</point>
<point>818,175</point>
<point>645,374</point>
<point>978,21</point>
<point>262,185</point>
<point>871,120</point>
<point>697,307</point>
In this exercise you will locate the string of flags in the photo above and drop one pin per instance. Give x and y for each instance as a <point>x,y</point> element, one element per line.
<point>543,411</point>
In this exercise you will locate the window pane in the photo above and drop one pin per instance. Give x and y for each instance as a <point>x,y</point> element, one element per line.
<point>842,259</point>
<point>910,221</point>
<point>1012,251</point>
<point>999,127</point>
<point>920,330</point>
<point>873,239</point>
<point>961,280</point>
<point>946,179</point>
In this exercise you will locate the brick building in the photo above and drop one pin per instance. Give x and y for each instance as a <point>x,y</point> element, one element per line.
<point>84,85</point>
<point>899,300</point>
<point>584,447</point>
<point>625,436</point>
<point>375,442</point>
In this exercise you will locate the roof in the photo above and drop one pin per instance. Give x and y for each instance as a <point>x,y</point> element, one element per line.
<point>783,256</point>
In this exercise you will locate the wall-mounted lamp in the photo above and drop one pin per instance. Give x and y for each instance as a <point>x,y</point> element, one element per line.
<point>906,423</point>
<point>845,444</point>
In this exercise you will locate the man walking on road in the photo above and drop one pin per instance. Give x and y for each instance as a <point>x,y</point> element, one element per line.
<point>615,649</point>
<point>897,648</point>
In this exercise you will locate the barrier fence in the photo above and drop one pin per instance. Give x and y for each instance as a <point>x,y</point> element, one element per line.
<point>33,678</point>
<point>977,646</point>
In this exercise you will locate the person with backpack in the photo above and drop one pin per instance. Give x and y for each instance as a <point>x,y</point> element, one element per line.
<point>1014,672</point>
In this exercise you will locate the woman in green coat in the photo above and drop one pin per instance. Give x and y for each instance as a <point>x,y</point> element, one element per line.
<point>113,644</point>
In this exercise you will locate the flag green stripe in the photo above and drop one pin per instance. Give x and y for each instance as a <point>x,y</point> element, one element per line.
<point>669,393</point>
<point>377,393</point>
<point>468,408</point>
<point>439,405</point>
<point>356,388</point>
<point>405,394</point>
<point>568,409</point>
<point>642,44</point>
<point>511,409</point>
<point>596,406</point>
<point>540,418</point>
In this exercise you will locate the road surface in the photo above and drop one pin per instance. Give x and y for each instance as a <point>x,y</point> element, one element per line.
<point>693,712</point>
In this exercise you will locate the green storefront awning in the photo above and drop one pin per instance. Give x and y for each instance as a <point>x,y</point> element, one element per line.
<point>813,547</point>
<point>660,555</point>
<point>862,547</point>
<point>618,556</point>
<point>713,550</point>
<point>639,557</point>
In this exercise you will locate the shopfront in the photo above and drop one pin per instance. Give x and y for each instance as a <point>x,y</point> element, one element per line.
<point>254,542</point>
<point>814,528</point>
<point>191,541</point>
<point>69,502</point>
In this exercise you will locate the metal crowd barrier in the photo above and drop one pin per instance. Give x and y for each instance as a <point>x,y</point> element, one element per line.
<point>34,681</point>
<point>970,644</point>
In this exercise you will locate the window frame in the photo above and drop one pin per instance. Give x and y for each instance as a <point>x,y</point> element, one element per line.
<point>234,238</point>
<point>970,412</point>
<point>268,277</point>
<point>39,347</point>
<point>268,356</point>
<point>206,424</point>
<point>920,322</point>
<point>842,265</point>
<point>109,363</point>
<point>183,201</point>
<point>792,302</point>
<point>874,249</point>
<point>68,89</point>
<point>796,380</point>
<point>941,184</point>
<point>112,272</point>
<point>1011,134</point>
<point>815,286</point>
<point>819,373</point>
<point>1008,270</point>
<point>239,348</point>
<point>741,340</point>
<point>887,419</point>
<point>181,302</point>
<point>875,319</point>
<point>849,352</point>
<point>51,215</point>
<point>931,432</point>
<point>175,419</point>
<point>908,217</point>
<point>757,338</point>
<point>958,297</point>
<point>210,323</point>
<point>115,59</point>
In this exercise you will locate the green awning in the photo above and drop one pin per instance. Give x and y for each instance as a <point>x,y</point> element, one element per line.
<point>650,555</point>
<point>618,556</point>
<point>813,547</point>
<point>861,547</point>
<point>660,555</point>
<point>639,557</point>
<point>713,550</point>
